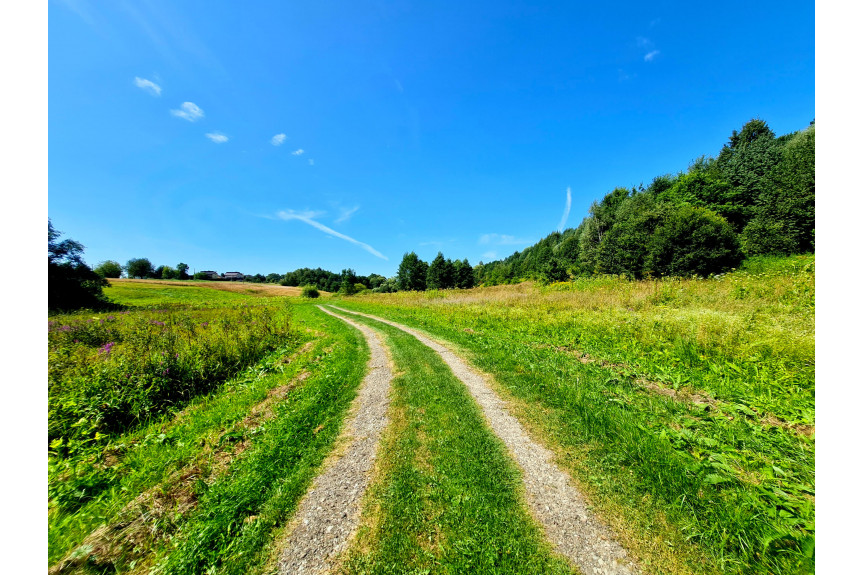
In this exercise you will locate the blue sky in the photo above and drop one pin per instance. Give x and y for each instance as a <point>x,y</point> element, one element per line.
<point>266,136</point>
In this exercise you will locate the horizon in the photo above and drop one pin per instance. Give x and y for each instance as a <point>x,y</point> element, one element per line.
<point>344,137</point>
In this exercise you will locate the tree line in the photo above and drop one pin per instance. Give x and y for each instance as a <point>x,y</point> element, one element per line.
<point>756,198</point>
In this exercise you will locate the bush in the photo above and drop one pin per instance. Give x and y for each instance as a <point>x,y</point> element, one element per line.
<point>692,241</point>
<point>310,291</point>
<point>108,269</point>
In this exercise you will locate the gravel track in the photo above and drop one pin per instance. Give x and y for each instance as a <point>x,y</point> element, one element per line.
<point>558,506</point>
<point>329,513</point>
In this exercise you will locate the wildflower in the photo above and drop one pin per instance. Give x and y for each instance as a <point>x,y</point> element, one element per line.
<point>65,328</point>
<point>110,318</point>
<point>205,324</point>
<point>106,349</point>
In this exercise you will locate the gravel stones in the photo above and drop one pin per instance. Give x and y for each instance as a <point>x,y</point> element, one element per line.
<point>329,513</point>
<point>557,505</point>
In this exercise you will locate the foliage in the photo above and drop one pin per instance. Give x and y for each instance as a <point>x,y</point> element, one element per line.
<point>109,373</point>
<point>310,291</point>
<point>692,241</point>
<point>348,285</point>
<point>440,274</point>
<point>139,268</point>
<point>693,398</point>
<point>412,273</point>
<point>762,186</point>
<point>182,271</point>
<point>108,269</point>
<point>71,283</point>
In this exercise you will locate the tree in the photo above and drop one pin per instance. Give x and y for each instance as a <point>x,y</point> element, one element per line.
<point>182,270</point>
<point>139,268</point>
<point>165,272</point>
<point>349,280</point>
<point>692,241</point>
<point>274,278</point>
<point>71,283</point>
<point>109,269</point>
<point>440,273</point>
<point>463,274</point>
<point>412,273</point>
<point>552,271</point>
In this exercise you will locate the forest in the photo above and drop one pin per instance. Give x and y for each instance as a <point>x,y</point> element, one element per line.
<point>757,197</point>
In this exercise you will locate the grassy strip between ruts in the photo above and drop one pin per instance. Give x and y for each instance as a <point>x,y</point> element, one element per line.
<point>447,499</point>
<point>740,490</point>
<point>234,503</point>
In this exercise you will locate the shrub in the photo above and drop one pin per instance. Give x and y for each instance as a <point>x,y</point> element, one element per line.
<point>310,291</point>
<point>692,241</point>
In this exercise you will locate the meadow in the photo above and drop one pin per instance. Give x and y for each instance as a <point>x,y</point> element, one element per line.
<point>182,418</point>
<point>185,428</point>
<point>685,407</point>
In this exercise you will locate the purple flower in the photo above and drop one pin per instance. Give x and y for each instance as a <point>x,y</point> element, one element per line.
<point>65,328</point>
<point>106,349</point>
<point>110,318</point>
<point>205,324</point>
<point>154,322</point>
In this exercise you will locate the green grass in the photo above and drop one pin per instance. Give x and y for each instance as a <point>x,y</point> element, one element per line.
<point>732,481</point>
<point>448,499</point>
<point>243,479</point>
<point>141,294</point>
<point>239,513</point>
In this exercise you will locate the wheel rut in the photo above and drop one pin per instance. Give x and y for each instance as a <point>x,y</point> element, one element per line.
<point>328,514</point>
<point>574,531</point>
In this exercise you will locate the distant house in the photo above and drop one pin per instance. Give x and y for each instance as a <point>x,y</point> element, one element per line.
<point>234,276</point>
<point>211,274</point>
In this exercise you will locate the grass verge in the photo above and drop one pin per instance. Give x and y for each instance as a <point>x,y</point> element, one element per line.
<point>448,499</point>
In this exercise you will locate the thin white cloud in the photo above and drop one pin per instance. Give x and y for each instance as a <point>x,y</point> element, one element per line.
<point>565,209</point>
<point>278,139</point>
<point>346,214</point>
<point>643,42</point>
<point>299,152</point>
<point>651,55</point>
<point>311,162</point>
<point>148,86</point>
<point>217,137</point>
<point>489,255</point>
<point>501,240</point>
<point>189,111</point>
<point>306,217</point>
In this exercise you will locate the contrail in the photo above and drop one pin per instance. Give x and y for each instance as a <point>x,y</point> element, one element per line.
<point>290,215</point>
<point>565,210</point>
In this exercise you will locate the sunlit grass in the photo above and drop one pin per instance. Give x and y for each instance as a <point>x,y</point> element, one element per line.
<point>697,394</point>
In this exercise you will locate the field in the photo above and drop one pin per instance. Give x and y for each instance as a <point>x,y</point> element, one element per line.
<point>185,430</point>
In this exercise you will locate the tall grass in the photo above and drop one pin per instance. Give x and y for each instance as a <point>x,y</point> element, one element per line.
<point>694,394</point>
<point>110,372</point>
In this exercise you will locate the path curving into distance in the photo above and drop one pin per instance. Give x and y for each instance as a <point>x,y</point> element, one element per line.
<point>558,506</point>
<point>329,513</point>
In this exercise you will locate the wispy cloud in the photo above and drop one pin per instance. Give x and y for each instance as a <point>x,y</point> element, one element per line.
<point>189,111</point>
<point>501,240</point>
<point>489,255</point>
<point>565,209</point>
<point>217,137</point>
<point>311,162</point>
<point>346,213</point>
<point>306,217</point>
<point>648,45</point>
<point>148,86</point>
<point>299,152</point>
<point>278,139</point>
